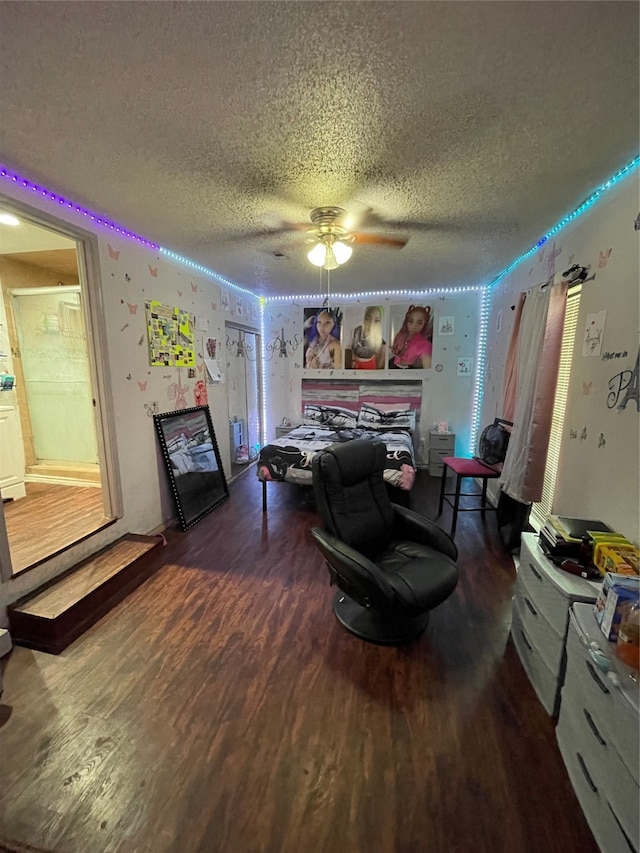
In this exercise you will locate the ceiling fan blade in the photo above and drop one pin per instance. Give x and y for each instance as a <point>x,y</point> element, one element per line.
<point>379,240</point>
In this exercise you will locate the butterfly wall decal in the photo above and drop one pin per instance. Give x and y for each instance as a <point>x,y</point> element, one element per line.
<point>153,271</point>
<point>603,258</point>
<point>114,254</point>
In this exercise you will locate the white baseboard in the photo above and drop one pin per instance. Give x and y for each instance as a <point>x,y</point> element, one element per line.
<point>60,481</point>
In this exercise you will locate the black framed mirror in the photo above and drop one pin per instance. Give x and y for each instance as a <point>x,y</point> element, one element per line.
<point>192,461</point>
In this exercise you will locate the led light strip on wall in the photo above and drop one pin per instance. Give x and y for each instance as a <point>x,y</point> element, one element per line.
<point>176,257</point>
<point>369,294</point>
<point>59,200</point>
<point>480,365</point>
<point>103,222</point>
<point>55,198</point>
<point>570,217</point>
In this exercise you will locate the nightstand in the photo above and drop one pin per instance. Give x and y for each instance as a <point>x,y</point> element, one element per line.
<point>540,621</point>
<point>440,444</point>
<point>283,430</point>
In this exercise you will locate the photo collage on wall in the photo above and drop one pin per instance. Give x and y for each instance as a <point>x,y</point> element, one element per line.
<point>368,337</point>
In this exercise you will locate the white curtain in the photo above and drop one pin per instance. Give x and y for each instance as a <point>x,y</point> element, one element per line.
<point>539,344</point>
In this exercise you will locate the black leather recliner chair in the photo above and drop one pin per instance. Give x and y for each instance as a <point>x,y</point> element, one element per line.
<point>392,566</point>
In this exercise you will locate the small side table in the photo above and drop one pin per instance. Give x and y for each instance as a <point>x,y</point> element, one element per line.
<point>440,444</point>
<point>283,430</point>
<point>465,468</point>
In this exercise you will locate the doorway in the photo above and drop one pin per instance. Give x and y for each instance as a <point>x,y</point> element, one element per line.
<point>52,477</point>
<point>243,395</point>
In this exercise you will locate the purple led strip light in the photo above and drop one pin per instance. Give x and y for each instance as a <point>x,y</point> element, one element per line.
<point>58,199</point>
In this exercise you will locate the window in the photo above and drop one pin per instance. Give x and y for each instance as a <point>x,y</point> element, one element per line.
<point>540,511</point>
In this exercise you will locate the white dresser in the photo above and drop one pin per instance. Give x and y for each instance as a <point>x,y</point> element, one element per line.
<point>540,619</point>
<point>598,734</point>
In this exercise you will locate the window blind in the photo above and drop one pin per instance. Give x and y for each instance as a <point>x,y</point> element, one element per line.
<point>541,511</point>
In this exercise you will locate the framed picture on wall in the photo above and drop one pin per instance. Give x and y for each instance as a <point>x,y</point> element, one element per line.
<point>322,338</point>
<point>411,337</point>
<point>365,339</point>
<point>192,461</point>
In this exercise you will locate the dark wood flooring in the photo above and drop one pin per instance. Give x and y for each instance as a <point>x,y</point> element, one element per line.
<point>221,708</point>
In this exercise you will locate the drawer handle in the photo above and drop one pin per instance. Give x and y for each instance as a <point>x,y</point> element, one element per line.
<point>594,675</point>
<point>525,641</point>
<point>621,828</point>
<point>531,607</point>
<point>535,571</point>
<point>583,767</point>
<point>594,728</point>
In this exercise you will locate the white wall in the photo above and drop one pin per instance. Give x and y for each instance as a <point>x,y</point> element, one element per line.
<point>130,274</point>
<point>598,474</point>
<point>446,394</point>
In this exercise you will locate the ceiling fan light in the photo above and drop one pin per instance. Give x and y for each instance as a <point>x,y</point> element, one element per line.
<point>341,251</point>
<point>317,255</point>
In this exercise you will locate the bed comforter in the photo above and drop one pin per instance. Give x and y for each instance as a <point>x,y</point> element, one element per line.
<point>288,459</point>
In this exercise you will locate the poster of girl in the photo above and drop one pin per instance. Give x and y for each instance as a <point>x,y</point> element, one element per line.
<point>413,342</point>
<point>322,331</point>
<point>368,349</point>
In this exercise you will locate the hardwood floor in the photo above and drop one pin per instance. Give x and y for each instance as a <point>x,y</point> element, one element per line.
<point>221,708</point>
<point>49,519</point>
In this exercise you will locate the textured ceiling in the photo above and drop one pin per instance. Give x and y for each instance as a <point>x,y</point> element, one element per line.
<point>471,128</point>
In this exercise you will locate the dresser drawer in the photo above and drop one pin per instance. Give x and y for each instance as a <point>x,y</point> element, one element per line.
<point>608,772</point>
<point>547,641</point>
<point>442,441</point>
<point>612,712</point>
<point>436,456</point>
<point>550,589</point>
<point>601,816</point>
<point>544,681</point>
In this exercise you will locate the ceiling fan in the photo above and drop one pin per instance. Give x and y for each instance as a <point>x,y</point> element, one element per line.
<point>333,237</point>
<point>333,231</point>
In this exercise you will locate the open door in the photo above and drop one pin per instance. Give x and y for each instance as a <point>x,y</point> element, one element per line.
<point>55,467</point>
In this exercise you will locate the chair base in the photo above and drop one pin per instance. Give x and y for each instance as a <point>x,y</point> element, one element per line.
<point>374,626</point>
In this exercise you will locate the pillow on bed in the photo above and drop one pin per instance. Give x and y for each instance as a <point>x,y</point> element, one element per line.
<point>373,418</point>
<point>333,416</point>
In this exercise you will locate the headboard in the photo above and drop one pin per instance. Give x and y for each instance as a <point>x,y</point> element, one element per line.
<point>351,393</point>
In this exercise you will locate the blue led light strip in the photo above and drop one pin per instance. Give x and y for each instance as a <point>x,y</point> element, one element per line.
<point>176,257</point>
<point>368,294</point>
<point>480,367</point>
<point>571,216</point>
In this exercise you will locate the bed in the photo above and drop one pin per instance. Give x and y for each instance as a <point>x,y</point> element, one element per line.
<point>288,459</point>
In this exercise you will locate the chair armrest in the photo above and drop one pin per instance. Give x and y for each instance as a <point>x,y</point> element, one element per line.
<point>353,565</point>
<point>415,527</point>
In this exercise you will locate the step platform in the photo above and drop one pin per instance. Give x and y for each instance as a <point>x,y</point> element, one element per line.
<point>56,614</point>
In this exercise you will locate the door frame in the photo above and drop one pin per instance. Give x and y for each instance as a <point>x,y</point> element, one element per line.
<point>87,255</point>
<point>241,327</point>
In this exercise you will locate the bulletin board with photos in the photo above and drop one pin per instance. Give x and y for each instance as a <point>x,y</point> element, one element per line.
<point>368,336</point>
